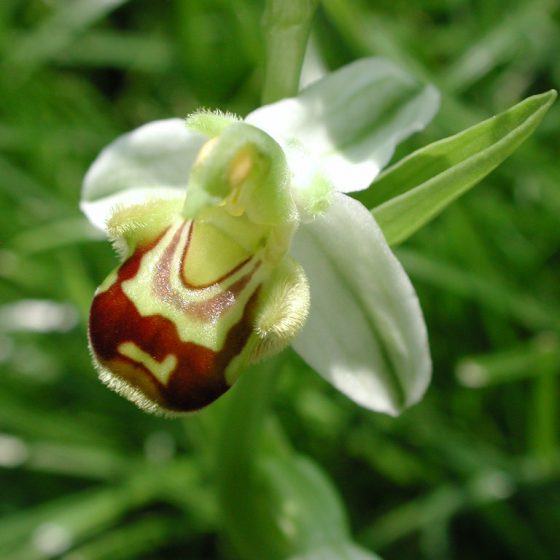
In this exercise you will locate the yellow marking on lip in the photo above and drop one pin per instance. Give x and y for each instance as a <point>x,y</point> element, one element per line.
<point>211,254</point>
<point>161,370</point>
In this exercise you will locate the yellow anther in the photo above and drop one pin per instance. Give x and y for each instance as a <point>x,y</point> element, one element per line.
<point>240,168</point>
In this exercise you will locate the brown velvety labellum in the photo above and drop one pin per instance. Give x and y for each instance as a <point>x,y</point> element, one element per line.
<point>197,377</point>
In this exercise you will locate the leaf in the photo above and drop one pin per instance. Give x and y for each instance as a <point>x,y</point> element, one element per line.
<point>290,510</point>
<point>58,31</point>
<point>296,507</point>
<point>420,186</point>
<point>522,361</point>
<point>275,503</point>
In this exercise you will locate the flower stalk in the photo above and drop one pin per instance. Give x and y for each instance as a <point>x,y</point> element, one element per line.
<point>286,24</point>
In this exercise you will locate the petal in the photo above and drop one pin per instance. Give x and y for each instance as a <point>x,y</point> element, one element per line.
<point>365,333</point>
<point>151,161</point>
<point>350,122</point>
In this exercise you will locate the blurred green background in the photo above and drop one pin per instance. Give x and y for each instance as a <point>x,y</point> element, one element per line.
<point>470,473</point>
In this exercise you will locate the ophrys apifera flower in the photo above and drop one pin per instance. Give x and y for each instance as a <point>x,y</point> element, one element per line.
<point>237,239</point>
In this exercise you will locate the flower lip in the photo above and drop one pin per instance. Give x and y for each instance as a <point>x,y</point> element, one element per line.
<point>144,357</point>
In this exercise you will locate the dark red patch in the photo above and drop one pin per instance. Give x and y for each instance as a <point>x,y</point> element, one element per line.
<point>198,378</point>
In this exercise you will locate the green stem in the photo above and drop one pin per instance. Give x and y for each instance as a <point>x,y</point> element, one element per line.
<point>238,446</point>
<point>244,414</point>
<point>287,24</point>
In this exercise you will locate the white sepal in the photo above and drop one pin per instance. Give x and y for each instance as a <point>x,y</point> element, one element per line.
<point>349,122</point>
<point>365,333</point>
<point>152,161</point>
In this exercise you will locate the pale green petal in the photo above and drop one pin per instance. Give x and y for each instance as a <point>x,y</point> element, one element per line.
<point>365,333</point>
<point>152,161</point>
<point>349,123</point>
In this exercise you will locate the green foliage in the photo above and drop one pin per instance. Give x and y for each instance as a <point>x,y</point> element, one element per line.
<point>471,472</point>
<point>421,185</point>
<point>280,505</point>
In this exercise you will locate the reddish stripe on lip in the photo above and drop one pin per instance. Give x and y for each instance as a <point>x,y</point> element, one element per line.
<point>207,310</point>
<point>198,378</point>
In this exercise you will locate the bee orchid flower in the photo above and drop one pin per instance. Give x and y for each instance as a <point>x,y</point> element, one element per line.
<point>237,238</point>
